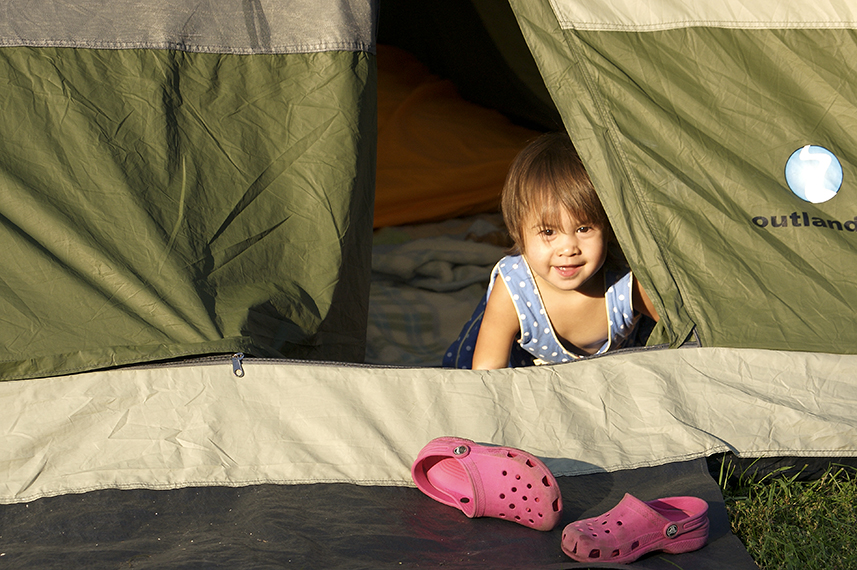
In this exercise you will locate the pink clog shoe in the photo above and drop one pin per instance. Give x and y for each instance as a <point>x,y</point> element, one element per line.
<point>483,481</point>
<point>633,528</point>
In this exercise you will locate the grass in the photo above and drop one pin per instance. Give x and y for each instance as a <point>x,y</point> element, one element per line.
<point>787,523</point>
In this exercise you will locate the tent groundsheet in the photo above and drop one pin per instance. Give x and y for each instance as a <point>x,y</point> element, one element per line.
<point>334,525</point>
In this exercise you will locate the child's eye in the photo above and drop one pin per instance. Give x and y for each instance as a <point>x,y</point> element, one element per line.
<point>584,229</point>
<point>547,232</point>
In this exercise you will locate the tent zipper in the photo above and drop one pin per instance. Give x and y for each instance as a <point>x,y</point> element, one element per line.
<point>239,359</point>
<point>237,367</point>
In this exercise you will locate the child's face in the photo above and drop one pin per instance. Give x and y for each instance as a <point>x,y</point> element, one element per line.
<point>565,257</point>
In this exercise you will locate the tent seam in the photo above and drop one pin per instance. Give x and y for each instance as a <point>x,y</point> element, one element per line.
<point>184,47</point>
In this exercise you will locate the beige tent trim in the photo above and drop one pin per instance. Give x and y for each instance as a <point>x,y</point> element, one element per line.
<point>214,26</point>
<point>631,15</point>
<point>200,425</point>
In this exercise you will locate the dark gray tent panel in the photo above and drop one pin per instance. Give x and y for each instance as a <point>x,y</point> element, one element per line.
<point>186,201</point>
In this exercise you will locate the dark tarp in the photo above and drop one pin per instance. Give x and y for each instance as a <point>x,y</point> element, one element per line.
<point>334,526</point>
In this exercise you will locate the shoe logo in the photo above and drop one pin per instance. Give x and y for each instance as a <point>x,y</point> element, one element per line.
<point>460,450</point>
<point>672,530</point>
<point>813,174</point>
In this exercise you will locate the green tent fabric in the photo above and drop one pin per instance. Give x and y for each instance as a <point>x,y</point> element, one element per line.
<point>686,117</point>
<point>197,178</point>
<point>182,179</point>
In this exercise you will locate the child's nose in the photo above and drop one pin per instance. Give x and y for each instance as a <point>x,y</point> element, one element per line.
<point>568,246</point>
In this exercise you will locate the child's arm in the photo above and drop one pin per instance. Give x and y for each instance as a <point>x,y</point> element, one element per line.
<point>497,332</point>
<point>642,303</point>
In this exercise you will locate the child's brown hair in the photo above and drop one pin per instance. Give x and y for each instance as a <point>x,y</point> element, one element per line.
<point>546,178</point>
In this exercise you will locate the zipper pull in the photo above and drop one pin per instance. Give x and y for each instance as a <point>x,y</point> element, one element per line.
<point>237,369</point>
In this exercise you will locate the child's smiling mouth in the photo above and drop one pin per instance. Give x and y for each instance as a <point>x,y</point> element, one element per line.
<point>567,270</point>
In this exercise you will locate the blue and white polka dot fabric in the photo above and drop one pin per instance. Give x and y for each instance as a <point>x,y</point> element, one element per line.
<point>537,336</point>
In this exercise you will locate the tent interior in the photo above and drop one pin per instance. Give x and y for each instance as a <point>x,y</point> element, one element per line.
<point>455,106</point>
<point>274,452</point>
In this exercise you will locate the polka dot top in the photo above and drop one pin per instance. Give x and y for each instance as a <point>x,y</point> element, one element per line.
<point>537,334</point>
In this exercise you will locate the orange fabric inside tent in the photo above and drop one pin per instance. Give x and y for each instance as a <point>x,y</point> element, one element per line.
<point>439,156</point>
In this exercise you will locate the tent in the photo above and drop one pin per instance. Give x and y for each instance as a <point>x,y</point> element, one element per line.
<point>186,214</point>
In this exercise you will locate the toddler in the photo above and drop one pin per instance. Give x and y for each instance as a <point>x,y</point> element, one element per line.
<point>564,295</point>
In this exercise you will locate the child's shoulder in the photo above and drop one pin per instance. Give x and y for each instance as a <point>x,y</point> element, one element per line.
<point>511,262</point>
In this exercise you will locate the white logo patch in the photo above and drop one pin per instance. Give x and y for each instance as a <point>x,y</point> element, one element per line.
<point>814,174</point>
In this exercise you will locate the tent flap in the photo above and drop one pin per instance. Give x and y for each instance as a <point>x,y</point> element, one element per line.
<point>159,203</point>
<point>687,130</point>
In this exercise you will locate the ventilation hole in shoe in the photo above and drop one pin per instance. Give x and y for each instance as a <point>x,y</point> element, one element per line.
<point>616,553</point>
<point>503,515</point>
<point>536,499</point>
<point>464,500</point>
<point>517,518</point>
<point>532,521</point>
<point>541,516</point>
<point>595,553</point>
<point>510,454</point>
<point>518,477</point>
<point>529,510</point>
<point>545,481</point>
<point>529,463</point>
<point>555,506</point>
<point>618,523</point>
<point>502,495</point>
<point>606,531</point>
<point>529,485</point>
<point>524,498</point>
<point>604,522</point>
<point>514,489</point>
<point>504,473</point>
<point>635,545</point>
<point>512,506</point>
